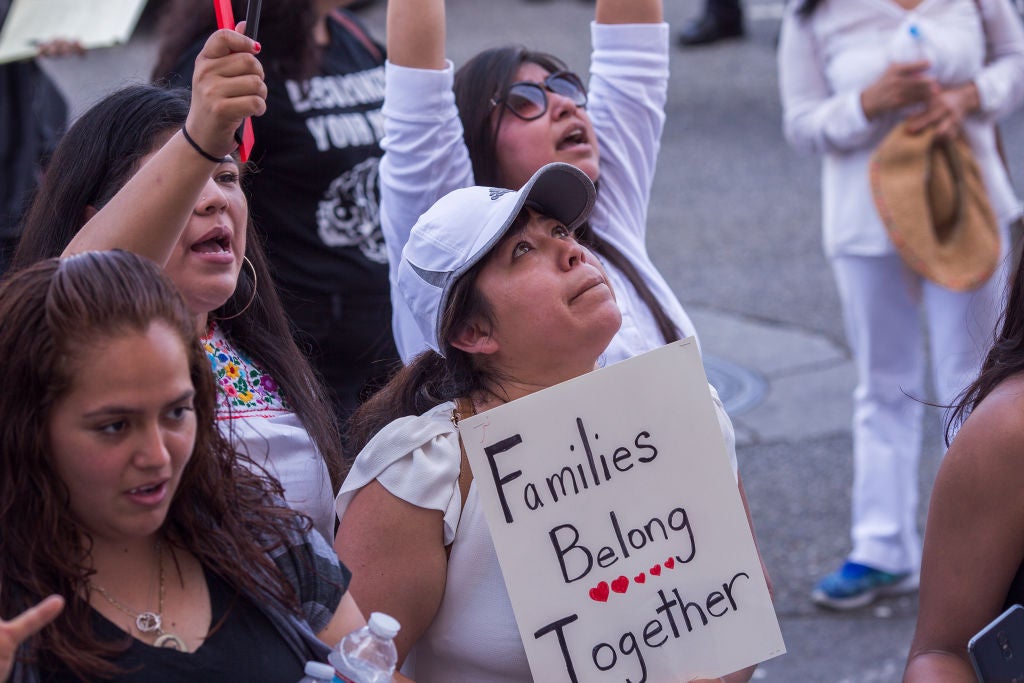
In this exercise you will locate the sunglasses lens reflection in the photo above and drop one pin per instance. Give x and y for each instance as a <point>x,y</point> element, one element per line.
<point>526,100</point>
<point>530,100</point>
<point>567,85</point>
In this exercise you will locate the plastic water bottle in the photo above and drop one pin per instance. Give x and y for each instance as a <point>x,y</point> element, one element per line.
<point>318,672</point>
<point>368,655</point>
<point>909,45</point>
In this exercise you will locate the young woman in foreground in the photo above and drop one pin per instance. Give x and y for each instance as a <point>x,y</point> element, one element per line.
<point>172,559</point>
<point>126,177</point>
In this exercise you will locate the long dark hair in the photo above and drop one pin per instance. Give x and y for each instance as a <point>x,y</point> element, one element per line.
<point>51,311</point>
<point>93,161</point>
<point>1004,359</point>
<point>285,28</point>
<point>487,76</point>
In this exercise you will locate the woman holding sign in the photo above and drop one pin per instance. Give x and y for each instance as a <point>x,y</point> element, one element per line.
<point>146,172</point>
<point>512,306</point>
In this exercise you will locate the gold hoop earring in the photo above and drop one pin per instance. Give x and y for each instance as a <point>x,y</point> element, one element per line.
<point>251,298</point>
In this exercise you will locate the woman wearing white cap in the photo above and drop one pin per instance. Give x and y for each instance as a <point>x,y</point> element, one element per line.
<point>510,307</point>
<point>508,112</point>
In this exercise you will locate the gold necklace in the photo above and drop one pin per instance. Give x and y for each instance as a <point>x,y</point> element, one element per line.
<point>149,621</point>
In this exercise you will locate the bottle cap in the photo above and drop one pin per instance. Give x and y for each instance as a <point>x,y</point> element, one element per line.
<point>319,670</point>
<point>383,625</point>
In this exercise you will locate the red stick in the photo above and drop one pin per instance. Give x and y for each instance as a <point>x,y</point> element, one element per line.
<point>226,19</point>
<point>225,15</point>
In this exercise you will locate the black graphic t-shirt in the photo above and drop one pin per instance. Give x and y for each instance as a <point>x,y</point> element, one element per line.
<point>316,194</point>
<point>315,191</point>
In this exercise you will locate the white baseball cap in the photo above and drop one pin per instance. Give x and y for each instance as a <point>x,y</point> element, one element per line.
<point>462,227</point>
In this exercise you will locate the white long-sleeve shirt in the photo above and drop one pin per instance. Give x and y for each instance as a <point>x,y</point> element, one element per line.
<point>827,60</point>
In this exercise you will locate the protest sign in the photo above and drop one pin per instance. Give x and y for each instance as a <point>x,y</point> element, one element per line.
<point>619,527</point>
<point>93,23</point>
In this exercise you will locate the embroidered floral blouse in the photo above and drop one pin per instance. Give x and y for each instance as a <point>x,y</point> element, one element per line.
<point>244,388</point>
<point>258,420</point>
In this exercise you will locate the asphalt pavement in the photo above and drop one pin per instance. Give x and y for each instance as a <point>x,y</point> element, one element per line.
<point>734,226</point>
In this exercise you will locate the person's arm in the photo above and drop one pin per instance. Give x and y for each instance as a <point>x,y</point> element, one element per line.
<point>416,33</point>
<point>1000,84</point>
<point>425,155</point>
<point>347,618</point>
<point>973,541</point>
<point>628,11</point>
<point>996,90</point>
<point>629,71</point>
<point>19,629</point>
<point>149,213</point>
<point>815,119</point>
<point>397,556</point>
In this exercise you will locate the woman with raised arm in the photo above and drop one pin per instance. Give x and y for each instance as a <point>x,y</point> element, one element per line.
<point>510,303</point>
<point>512,111</point>
<point>173,559</point>
<point>315,193</point>
<point>143,171</point>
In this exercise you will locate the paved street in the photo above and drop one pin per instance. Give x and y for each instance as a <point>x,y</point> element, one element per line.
<point>734,225</point>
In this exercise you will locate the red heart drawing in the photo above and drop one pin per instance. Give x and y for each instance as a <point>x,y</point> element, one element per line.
<point>600,592</point>
<point>640,578</point>
<point>620,584</point>
<point>670,562</point>
<point>656,570</point>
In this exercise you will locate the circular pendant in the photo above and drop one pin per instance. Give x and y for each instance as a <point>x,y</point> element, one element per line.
<point>147,622</point>
<point>171,641</point>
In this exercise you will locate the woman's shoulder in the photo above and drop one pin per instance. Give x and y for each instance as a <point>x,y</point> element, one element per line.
<point>411,455</point>
<point>1003,408</point>
<point>415,429</point>
<point>992,437</point>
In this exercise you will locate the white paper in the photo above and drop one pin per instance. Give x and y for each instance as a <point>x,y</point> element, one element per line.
<point>93,23</point>
<point>624,510</point>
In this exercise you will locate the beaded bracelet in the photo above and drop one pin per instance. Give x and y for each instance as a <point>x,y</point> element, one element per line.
<point>195,145</point>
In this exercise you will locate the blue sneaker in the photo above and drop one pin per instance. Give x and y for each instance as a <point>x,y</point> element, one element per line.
<point>856,585</point>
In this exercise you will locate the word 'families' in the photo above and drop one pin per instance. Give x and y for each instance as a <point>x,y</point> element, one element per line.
<point>593,471</point>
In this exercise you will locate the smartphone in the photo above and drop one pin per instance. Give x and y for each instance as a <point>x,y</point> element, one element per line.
<point>997,651</point>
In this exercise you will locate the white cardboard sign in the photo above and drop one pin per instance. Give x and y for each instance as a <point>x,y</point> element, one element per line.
<point>93,23</point>
<point>619,527</point>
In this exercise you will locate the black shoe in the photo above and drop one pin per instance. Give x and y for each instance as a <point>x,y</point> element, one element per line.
<point>707,29</point>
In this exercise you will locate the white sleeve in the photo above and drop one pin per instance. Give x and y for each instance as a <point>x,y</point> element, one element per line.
<point>1001,83</point>
<point>425,158</point>
<point>814,118</point>
<point>728,432</point>
<point>628,89</point>
<point>417,459</point>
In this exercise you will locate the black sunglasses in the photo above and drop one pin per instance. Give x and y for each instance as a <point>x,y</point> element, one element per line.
<point>529,100</point>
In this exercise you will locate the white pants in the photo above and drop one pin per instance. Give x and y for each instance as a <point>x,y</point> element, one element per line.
<point>882,300</point>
